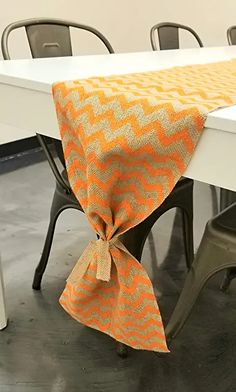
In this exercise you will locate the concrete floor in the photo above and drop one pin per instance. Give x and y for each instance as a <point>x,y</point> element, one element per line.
<point>43,349</point>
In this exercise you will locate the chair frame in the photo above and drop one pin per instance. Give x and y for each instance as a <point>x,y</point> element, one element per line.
<point>229,35</point>
<point>217,252</point>
<point>158,26</point>
<point>63,195</point>
<point>48,21</point>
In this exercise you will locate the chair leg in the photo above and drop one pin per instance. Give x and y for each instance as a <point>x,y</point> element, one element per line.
<point>3,316</point>
<point>210,259</point>
<point>185,203</point>
<point>230,274</point>
<point>59,204</point>
<point>45,254</point>
<point>187,219</point>
<point>152,247</point>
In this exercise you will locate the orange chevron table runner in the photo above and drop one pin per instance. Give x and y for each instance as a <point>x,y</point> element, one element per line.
<point>127,140</point>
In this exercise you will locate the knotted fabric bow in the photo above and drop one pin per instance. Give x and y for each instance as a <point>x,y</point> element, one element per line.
<point>99,250</point>
<point>110,291</point>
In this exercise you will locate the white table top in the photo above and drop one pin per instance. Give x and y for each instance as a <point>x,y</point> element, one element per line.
<point>39,74</point>
<point>28,104</point>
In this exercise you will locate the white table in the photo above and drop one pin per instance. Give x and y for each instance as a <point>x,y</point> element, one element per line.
<point>26,104</point>
<point>26,101</point>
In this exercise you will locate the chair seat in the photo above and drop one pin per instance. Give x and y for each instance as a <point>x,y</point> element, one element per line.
<point>226,220</point>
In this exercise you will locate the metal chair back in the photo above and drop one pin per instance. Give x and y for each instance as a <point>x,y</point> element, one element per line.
<point>231,35</point>
<point>49,38</point>
<point>168,35</point>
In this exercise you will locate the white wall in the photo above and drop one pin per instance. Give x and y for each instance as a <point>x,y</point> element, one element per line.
<point>126,23</point>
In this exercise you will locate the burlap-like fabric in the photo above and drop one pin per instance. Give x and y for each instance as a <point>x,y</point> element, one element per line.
<point>127,140</point>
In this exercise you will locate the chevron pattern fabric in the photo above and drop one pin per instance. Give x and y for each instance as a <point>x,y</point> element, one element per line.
<point>127,140</point>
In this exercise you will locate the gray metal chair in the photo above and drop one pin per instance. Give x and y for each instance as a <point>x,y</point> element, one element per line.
<point>51,37</point>
<point>228,197</point>
<point>168,35</point>
<point>217,252</point>
<point>231,35</point>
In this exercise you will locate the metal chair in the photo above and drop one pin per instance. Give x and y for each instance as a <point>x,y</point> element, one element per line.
<point>217,251</point>
<point>228,197</point>
<point>231,35</point>
<point>50,37</point>
<point>168,35</point>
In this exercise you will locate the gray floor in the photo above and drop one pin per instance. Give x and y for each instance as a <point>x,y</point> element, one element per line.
<point>43,349</point>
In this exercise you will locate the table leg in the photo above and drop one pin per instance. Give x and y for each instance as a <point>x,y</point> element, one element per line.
<point>3,317</point>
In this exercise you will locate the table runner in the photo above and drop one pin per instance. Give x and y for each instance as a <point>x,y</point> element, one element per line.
<point>127,140</point>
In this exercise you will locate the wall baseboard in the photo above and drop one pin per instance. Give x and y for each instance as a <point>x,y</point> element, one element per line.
<point>18,147</point>
<point>21,153</point>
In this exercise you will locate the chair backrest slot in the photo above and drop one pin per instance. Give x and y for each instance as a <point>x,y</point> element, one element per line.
<point>168,37</point>
<point>39,35</point>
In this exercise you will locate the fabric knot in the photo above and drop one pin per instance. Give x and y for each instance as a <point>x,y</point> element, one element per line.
<point>103,259</point>
<point>99,250</point>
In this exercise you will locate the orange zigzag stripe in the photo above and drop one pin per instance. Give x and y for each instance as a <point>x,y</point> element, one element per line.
<point>107,316</point>
<point>106,163</point>
<point>147,108</point>
<point>99,310</point>
<point>148,149</point>
<point>136,281</point>
<point>121,187</point>
<point>131,120</point>
<point>125,204</point>
<point>114,173</point>
<point>173,115</point>
<point>121,315</point>
<point>79,297</point>
<point>117,326</point>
